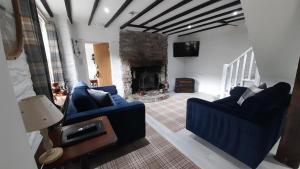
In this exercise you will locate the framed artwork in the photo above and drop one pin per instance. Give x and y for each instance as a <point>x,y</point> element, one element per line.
<point>11,28</point>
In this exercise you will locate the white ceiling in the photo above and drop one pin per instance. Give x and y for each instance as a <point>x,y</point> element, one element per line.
<point>81,11</point>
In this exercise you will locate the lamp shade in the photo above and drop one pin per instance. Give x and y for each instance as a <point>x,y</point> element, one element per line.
<point>39,112</point>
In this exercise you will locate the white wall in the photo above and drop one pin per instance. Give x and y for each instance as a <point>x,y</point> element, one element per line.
<point>274,32</point>
<point>22,85</point>
<point>75,66</point>
<point>96,34</point>
<point>89,51</point>
<point>15,149</point>
<point>20,77</point>
<point>217,47</point>
<point>65,46</point>
<point>175,65</point>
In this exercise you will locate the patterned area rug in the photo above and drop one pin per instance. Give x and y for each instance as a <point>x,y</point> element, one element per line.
<point>154,152</point>
<point>170,112</point>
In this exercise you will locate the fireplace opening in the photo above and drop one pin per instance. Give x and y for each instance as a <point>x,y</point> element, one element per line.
<point>145,78</point>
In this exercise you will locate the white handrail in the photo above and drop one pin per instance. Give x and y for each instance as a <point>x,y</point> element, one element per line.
<point>237,72</point>
<point>230,79</point>
<point>238,58</point>
<point>251,65</point>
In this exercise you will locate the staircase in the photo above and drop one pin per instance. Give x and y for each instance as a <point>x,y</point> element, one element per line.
<point>240,72</point>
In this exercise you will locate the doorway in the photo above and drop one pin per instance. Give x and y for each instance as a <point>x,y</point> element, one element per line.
<point>99,64</point>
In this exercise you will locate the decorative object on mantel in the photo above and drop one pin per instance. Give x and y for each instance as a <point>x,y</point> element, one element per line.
<point>289,150</point>
<point>11,29</point>
<point>39,113</point>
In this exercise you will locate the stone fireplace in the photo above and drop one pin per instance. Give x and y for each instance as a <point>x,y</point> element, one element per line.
<point>144,61</point>
<point>146,78</point>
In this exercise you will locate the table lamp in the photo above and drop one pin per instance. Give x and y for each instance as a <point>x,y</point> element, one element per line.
<point>39,113</point>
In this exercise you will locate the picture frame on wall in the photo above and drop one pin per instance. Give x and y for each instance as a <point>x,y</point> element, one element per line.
<point>11,28</point>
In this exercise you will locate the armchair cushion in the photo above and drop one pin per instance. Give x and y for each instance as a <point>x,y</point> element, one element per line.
<point>237,91</point>
<point>102,99</point>
<point>260,105</point>
<point>82,101</point>
<point>111,89</point>
<point>118,100</point>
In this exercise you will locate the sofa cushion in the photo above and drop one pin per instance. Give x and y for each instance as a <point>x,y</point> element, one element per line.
<point>251,91</point>
<point>112,89</point>
<point>80,85</point>
<point>82,101</point>
<point>118,100</point>
<point>260,105</point>
<point>229,105</point>
<point>263,86</point>
<point>102,98</point>
<point>237,91</point>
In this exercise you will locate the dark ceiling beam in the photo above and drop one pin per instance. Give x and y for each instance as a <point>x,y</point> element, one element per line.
<point>213,27</point>
<point>209,23</point>
<point>69,10</point>
<point>138,26</point>
<point>46,6</point>
<point>120,10</point>
<point>154,4</point>
<point>178,5</point>
<point>203,5</point>
<point>234,3</point>
<point>95,6</point>
<point>203,20</point>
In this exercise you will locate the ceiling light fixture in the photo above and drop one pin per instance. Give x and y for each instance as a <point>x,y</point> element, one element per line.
<point>235,13</point>
<point>106,10</point>
<point>189,27</point>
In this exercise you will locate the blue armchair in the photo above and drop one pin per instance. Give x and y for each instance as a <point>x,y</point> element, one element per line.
<point>126,118</point>
<point>247,132</point>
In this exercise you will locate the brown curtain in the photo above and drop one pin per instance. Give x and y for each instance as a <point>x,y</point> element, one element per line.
<point>34,48</point>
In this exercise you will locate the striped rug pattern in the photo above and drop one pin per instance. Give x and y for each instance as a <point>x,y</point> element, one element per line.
<point>170,112</point>
<point>154,152</point>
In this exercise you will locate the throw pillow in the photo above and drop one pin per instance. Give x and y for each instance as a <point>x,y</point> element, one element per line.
<point>102,98</point>
<point>251,91</point>
<point>263,105</point>
<point>263,86</point>
<point>238,91</point>
<point>82,101</point>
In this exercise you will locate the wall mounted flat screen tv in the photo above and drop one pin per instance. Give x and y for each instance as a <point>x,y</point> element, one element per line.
<point>186,49</point>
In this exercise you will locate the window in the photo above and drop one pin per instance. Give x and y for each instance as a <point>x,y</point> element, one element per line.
<point>46,44</point>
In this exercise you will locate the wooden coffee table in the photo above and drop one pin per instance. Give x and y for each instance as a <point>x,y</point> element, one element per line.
<point>83,148</point>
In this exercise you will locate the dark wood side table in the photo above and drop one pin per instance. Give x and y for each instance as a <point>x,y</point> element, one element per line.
<point>83,148</point>
<point>184,85</point>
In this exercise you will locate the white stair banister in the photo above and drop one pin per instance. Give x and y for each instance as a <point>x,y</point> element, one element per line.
<point>237,72</point>
<point>223,86</point>
<point>230,80</point>
<point>230,74</point>
<point>243,69</point>
<point>251,65</point>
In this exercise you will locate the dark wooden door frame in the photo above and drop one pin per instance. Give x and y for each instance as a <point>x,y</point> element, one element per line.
<point>289,149</point>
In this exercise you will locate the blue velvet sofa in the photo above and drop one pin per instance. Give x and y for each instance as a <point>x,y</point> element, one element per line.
<point>126,118</point>
<point>247,132</point>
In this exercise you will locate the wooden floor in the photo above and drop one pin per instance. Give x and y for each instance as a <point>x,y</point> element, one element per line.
<point>202,153</point>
